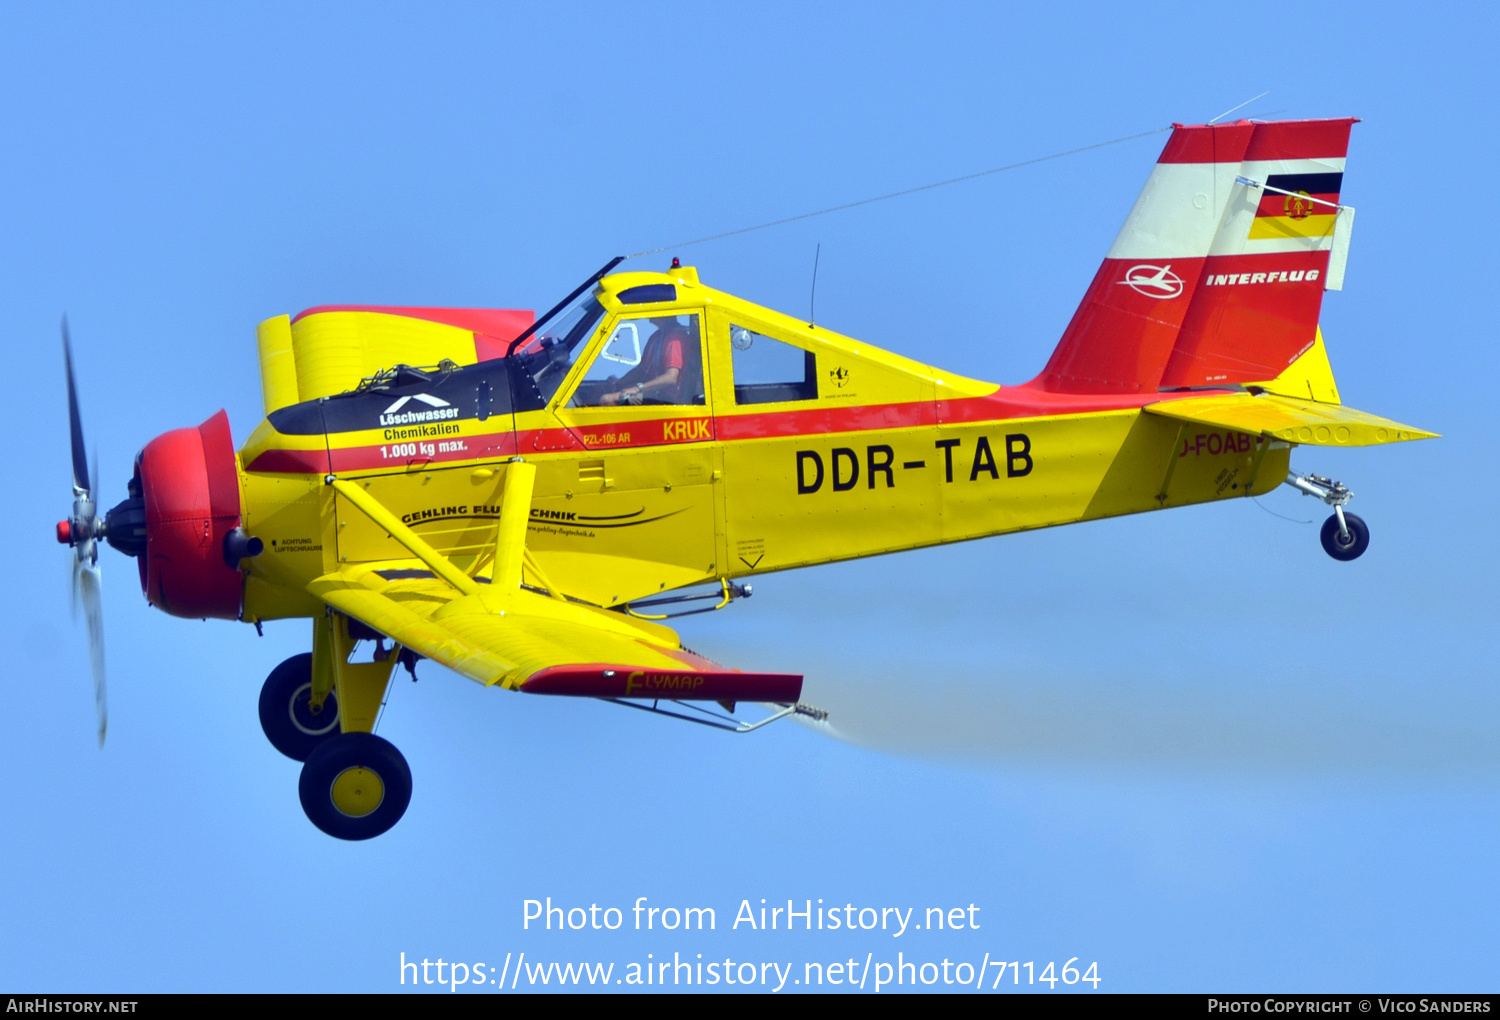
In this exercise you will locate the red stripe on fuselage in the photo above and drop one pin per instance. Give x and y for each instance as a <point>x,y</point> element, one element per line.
<point>394,456</point>
<point>694,426</point>
<point>290,462</point>
<point>1006,403</point>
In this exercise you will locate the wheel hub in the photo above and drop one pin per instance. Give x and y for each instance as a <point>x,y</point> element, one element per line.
<point>357,791</point>
<point>308,718</point>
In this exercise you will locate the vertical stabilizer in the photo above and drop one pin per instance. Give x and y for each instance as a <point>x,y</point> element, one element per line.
<point>1124,330</point>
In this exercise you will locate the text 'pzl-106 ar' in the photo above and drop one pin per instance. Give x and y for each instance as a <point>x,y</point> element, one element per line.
<point>523,501</point>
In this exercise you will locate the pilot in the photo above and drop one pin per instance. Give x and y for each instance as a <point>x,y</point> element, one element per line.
<point>660,375</point>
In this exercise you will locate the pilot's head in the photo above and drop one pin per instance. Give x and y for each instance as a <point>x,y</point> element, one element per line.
<point>666,325</point>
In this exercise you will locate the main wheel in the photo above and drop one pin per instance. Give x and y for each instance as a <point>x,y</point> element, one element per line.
<point>1350,548</point>
<point>355,786</point>
<point>286,713</point>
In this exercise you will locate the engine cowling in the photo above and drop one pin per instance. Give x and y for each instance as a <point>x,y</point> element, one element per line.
<point>186,498</point>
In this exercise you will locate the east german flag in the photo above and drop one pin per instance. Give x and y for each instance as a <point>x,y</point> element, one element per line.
<point>1293,215</point>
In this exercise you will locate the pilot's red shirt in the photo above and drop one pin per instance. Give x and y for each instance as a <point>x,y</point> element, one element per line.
<point>663,351</point>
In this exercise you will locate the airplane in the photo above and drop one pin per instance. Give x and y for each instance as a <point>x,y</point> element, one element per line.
<point>525,499</point>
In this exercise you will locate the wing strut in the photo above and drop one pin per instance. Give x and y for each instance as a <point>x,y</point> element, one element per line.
<point>515,511</point>
<point>510,540</point>
<point>436,561</point>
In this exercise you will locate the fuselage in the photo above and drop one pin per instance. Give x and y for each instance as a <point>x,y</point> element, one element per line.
<point>825,449</point>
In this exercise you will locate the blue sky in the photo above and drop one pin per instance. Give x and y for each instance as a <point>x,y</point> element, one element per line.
<point>1188,745</point>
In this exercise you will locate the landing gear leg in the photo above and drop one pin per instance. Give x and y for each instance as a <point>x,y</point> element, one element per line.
<point>354,785</point>
<point>1344,535</point>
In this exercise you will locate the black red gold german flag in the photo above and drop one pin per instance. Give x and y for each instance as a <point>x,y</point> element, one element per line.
<point>1296,215</point>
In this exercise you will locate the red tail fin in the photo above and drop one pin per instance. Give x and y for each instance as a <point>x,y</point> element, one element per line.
<point>1256,307</point>
<point>1162,311</point>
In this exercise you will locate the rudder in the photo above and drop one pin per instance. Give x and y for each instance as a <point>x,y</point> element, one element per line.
<point>1211,281</point>
<point>1255,310</point>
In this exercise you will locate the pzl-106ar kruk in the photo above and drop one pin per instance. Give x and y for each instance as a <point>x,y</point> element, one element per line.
<point>518,502</point>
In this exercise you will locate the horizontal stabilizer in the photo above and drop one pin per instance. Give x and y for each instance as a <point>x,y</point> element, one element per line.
<point>606,681</point>
<point>1289,419</point>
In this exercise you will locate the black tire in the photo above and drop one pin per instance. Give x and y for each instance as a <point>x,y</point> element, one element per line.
<point>285,714</point>
<point>1358,542</point>
<point>355,786</point>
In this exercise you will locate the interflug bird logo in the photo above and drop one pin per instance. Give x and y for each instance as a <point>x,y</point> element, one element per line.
<point>1153,281</point>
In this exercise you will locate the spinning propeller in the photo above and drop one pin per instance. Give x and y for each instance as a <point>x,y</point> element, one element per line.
<point>82,532</point>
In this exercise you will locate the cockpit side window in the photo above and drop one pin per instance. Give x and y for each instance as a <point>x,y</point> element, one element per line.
<point>768,371</point>
<point>646,360</point>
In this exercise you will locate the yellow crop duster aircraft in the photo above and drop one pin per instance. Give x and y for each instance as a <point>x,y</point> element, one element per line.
<point>520,501</point>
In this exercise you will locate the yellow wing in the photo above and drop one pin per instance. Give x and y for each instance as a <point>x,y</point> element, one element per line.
<point>493,638</point>
<point>1288,418</point>
<point>502,633</point>
<point>538,644</point>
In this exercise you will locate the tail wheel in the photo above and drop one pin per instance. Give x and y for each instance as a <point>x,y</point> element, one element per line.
<point>355,786</point>
<point>1348,546</point>
<point>286,712</point>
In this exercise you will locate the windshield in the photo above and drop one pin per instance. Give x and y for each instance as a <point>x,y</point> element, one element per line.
<point>547,357</point>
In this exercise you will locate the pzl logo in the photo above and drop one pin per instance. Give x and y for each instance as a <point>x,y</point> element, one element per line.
<point>639,681</point>
<point>1153,281</point>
